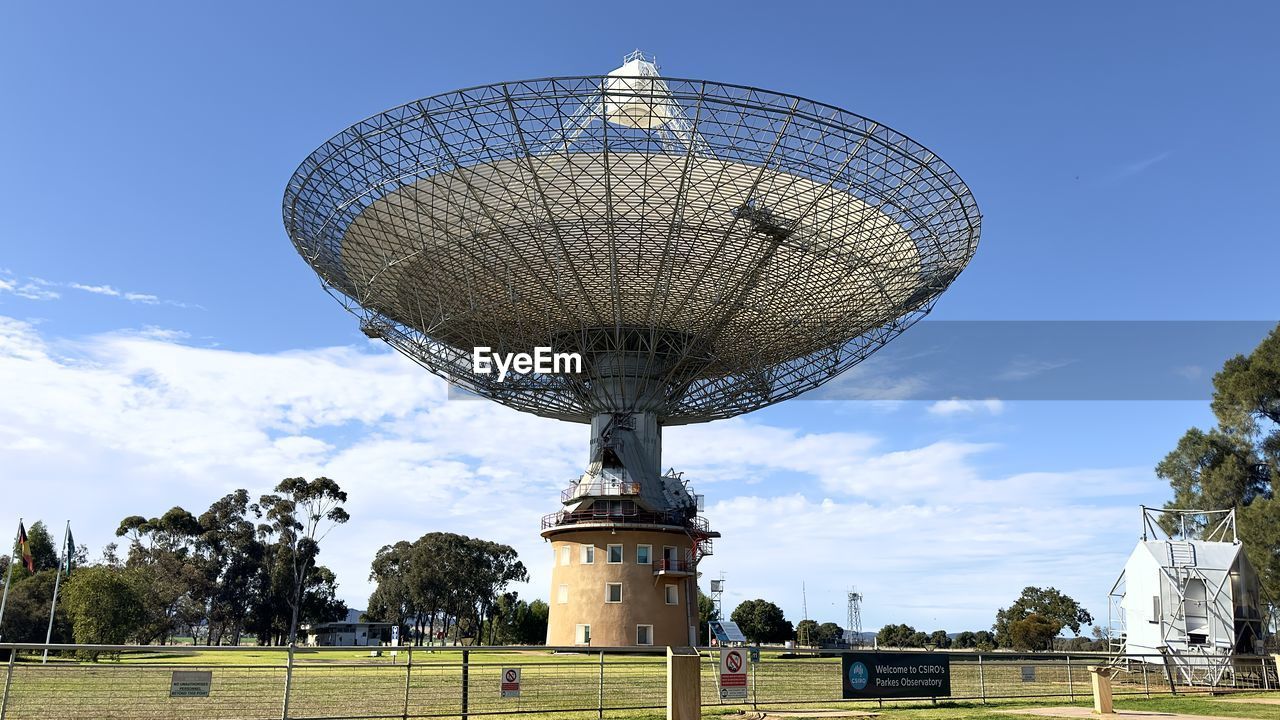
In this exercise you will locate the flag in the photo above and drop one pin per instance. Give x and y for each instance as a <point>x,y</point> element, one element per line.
<point>71,551</point>
<point>24,548</point>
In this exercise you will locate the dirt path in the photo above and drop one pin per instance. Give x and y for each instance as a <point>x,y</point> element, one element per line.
<point>1086,712</point>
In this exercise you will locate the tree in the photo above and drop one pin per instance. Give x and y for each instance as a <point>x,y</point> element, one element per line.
<point>299,515</point>
<point>965,640</point>
<point>829,634</point>
<point>161,566</point>
<point>1237,464</point>
<point>1049,605</point>
<point>762,622</point>
<point>231,560</point>
<point>534,627</point>
<point>519,623</point>
<point>26,615</point>
<point>458,580</point>
<point>939,639</point>
<point>1033,632</point>
<point>494,566</point>
<point>103,605</point>
<point>393,599</point>
<point>900,636</point>
<point>807,632</point>
<point>983,640</point>
<point>44,552</point>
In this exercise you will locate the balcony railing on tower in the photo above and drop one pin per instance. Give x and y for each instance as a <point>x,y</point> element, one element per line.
<point>631,514</point>
<point>672,566</point>
<point>600,488</point>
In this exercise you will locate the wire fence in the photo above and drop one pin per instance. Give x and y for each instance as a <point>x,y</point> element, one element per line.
<point>222,683</point>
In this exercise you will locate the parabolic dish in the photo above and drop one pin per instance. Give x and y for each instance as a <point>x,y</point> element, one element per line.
<point>721,246</point>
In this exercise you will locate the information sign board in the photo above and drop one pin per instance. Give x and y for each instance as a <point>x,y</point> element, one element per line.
<point>895,675</point>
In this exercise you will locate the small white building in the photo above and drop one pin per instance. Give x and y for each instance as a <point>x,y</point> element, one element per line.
<point>1195,601</point>
<point>350,634</point>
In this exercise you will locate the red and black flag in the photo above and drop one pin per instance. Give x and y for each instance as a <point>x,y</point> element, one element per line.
<point>24,549</point>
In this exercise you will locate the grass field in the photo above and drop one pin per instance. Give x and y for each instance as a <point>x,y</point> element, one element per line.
<point>348,683</point>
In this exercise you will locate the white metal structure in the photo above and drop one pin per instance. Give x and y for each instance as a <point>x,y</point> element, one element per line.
<point>635,96</point>
<point>1196,600</point>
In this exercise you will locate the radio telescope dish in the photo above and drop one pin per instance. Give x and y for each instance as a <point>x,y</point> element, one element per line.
<point>708,248</point>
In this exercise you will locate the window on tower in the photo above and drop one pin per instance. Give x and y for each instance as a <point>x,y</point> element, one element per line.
<point>583,635</point>
<point>562,596</point>
<point>615,554</point>
<point>588,554</point>
<point>644,634</point>
<point>613,592</point>
<point>644,554</point>
<point>564,555</point>
<point>673,595</point>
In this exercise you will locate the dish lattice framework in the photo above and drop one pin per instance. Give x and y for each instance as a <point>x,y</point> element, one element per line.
<point>735,246</point>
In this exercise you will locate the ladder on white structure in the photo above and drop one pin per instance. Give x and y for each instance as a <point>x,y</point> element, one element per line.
<point>1181,554</point>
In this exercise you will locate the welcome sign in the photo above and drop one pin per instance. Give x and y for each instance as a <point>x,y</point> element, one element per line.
<point>895,675</point>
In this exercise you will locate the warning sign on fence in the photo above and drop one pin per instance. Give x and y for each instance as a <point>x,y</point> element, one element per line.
<point>190,683</point>
<point>733,674</point>
<point>510,682</point>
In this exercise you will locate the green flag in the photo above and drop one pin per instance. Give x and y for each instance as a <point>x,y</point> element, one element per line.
<point>70,551</point>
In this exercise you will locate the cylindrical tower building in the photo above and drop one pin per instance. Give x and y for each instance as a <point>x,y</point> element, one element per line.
<point>626,545</point>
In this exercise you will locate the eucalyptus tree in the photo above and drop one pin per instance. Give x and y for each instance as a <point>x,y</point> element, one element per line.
<point>299,515</point>
<point>1236,464</point>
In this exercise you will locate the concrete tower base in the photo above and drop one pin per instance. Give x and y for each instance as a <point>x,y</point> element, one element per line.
<point>620,586</point>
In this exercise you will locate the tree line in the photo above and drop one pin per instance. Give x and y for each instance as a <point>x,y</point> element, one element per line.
<point>247,569</point>
<point>1033,621</point>
<point>241,568</point>
<point>445,585</point>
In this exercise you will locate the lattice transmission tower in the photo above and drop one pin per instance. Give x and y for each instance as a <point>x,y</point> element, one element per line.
<point>854,621</point>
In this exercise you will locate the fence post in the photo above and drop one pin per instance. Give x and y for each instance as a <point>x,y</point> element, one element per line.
<point>288,683</point>
<point>408,676</point>
<point>982,681</point>
<point>1168,671</point>
<point>8,681</point>
<point>466,680</point>
<point>600,696</point>
<point>1146,682</point>
<point>1071,688</point>
<point>755,668</point>
<point>1266,673</point>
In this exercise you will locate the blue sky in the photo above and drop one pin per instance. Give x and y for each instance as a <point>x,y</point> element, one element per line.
<point>162,342</point>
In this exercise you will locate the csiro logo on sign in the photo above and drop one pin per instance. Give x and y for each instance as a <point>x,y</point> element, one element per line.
<point>857,676</point>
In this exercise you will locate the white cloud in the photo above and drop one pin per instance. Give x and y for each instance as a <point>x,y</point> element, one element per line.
<point>29,289</point>
<point>97,289</point>
<point>144,298</point>
<point>134,422</point>
<point>34,288</point>
<point>956,406</point>
<point>1138,166</point>
<point>1024,368</point>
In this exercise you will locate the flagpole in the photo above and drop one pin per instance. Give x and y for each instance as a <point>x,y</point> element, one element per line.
<point>8,579</point>
<point>48,634</point>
